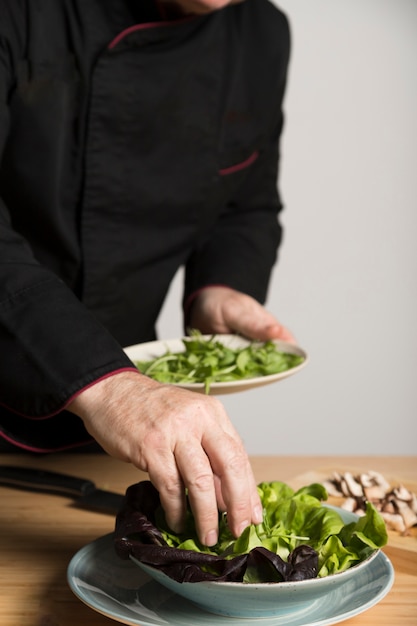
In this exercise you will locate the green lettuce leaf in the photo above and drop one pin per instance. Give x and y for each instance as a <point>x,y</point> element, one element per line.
<point>298,538</point>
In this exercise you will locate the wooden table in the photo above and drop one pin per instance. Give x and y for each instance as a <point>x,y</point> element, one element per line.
<point>39,534</point>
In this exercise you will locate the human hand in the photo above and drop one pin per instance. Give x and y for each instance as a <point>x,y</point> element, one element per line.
<point>224,310</point>
<point>183,440</point>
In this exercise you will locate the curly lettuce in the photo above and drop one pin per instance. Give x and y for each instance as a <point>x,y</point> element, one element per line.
<point>299,538</point>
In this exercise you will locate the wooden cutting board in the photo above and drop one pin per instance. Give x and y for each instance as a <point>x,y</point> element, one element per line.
<point>403,547</point>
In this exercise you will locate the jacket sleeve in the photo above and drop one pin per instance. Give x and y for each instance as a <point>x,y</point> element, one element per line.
<point>51,346</point>
<point>241,248</point>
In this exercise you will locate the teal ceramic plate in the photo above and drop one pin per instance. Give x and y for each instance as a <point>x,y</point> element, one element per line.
<point>123,592</point>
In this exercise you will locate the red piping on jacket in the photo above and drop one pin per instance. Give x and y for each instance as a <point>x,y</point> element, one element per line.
<point>239,166</point>
<point>75,395</point>
<point>23,446</point>
<point>145,26</point>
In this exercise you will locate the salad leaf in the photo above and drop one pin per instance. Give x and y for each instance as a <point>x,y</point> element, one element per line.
<point>208,360</point>
<point>299,538</point>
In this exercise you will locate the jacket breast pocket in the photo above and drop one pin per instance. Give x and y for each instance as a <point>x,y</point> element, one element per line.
<point>234,172</point>
<point>239,165</point>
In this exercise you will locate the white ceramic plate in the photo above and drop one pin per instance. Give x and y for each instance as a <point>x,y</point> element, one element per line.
<point>153,349</point>
<point>123,592</point>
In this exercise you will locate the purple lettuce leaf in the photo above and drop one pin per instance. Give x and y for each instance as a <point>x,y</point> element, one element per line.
<point>137,535</point>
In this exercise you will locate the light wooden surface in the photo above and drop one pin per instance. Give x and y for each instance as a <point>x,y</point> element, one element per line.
<point>39,534</point>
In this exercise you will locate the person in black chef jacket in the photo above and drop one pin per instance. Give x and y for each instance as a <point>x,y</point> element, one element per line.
<point>136,137</point>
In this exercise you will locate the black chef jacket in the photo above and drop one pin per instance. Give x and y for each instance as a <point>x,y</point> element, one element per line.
<point>129,146</point>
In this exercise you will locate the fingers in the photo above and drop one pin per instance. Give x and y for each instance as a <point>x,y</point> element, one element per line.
<point>225,310</point>
<point>235,477</point>
<point>217,477</point>
<point>275,331</point>
<point>219,495</point>
<point>252,320</point>
<point>183,440</point>
<point>166,478</point>
<point>212,464</point>
<point>197,474</point>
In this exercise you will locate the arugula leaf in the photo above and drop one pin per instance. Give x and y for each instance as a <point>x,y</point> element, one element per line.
<point>208,360</point>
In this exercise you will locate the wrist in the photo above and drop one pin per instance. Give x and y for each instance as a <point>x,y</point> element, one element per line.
<point>102,391</point>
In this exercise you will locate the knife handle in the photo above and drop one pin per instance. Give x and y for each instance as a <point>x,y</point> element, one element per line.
<point>43,480</point>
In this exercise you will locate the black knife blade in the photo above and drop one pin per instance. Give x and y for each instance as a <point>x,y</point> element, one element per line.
<point>84,492</point>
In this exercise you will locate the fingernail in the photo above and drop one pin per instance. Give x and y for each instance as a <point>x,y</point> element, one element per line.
<point>211,538</point>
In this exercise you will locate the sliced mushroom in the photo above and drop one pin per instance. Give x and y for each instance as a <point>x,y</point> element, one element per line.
<point>350,504</point>
<point>394,521</point>
<point>354,488</point>
<point>379,479</point>
<point>388,507</point>
<point>402,493</point>
<point>408,515</point>
<point>398,505</point>
<point>331,488</point>
<point>374,493</point>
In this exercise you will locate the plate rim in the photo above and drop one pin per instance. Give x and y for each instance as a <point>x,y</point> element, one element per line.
<point>226,386</point>
<point>105,540</point>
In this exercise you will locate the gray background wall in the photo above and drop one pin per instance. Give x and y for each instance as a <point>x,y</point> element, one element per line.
<point>346,281</point>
